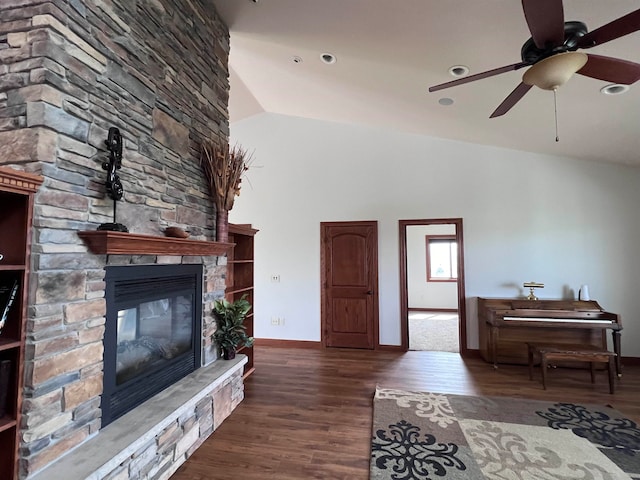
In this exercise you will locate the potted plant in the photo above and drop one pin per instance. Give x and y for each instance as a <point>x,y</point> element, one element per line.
<point>231,332</point>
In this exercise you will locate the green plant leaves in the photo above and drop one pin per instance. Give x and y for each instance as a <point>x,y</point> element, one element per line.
<point>230,317</point>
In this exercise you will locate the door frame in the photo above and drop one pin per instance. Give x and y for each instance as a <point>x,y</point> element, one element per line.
<point>323,282</point>
<point>404,295</point>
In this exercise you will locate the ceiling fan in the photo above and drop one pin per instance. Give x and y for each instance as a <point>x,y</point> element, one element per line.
<point>551,52</point>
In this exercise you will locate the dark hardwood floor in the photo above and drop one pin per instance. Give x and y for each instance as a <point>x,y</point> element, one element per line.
<point>307,412</point>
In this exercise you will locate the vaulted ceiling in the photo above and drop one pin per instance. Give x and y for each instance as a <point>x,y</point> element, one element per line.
<point>389,52</point>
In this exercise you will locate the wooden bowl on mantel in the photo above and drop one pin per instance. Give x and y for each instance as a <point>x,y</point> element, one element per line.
<point>175,232</point>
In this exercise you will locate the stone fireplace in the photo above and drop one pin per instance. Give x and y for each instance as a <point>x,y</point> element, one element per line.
<point>158,71</point>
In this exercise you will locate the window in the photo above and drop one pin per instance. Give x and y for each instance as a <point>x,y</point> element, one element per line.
<point>442,258</point>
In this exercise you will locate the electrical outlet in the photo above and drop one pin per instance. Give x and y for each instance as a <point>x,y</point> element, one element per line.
<point>275,321</point>
<point>275,278</point>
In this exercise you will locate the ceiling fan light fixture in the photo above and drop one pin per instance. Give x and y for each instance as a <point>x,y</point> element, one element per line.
<point>614,89</point>
<point>459,71</point>
<point>554,71</point>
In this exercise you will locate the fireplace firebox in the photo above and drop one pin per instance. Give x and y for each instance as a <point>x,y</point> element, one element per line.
<point>152,334</point>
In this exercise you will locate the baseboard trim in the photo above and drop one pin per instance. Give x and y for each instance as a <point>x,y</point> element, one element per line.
<point>630,361</point>
<point>471,353</point>
<point>390,348</point>
<point>274,342</point>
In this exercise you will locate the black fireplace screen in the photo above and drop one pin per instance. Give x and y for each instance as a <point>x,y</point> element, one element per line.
<point>152,332</point>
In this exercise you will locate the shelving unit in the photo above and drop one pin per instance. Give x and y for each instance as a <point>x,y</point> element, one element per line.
<point>17,190</point>
<point>240,277</point>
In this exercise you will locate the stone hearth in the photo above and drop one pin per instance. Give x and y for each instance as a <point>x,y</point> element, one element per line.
<point>153,440</point>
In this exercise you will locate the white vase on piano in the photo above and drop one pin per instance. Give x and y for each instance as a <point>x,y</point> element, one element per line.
<point>583,293</point>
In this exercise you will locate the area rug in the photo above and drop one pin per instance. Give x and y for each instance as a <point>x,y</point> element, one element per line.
<point>423,435</point>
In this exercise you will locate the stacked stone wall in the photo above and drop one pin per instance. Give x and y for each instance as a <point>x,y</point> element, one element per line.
<point>70,70</point>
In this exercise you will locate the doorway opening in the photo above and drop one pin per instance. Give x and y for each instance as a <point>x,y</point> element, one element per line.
<point>432,299</point>
<point>434,330</point>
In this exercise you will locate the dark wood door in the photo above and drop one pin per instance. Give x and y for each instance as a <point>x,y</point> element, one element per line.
<point>349,263</point>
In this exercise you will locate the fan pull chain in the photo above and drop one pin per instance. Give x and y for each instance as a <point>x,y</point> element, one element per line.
<point>555,109</point>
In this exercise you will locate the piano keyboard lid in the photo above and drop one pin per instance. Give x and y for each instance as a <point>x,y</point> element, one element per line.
<point>556,319</point>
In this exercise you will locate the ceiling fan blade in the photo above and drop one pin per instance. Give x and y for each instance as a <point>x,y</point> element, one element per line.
<point>545,19</point>
<point>513,98</point>
<point>618,28</point>
<point>478,76</point>
<point>612,70</point>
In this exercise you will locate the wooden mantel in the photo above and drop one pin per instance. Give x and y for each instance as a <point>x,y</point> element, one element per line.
<point>121,243</point>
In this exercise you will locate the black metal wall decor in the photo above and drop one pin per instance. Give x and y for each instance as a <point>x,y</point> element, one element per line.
<point>113,184</point>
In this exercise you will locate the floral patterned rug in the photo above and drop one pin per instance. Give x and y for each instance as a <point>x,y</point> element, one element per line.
<point>422,435</point>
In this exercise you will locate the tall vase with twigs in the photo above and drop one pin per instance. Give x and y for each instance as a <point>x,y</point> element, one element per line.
<point>223,167</point>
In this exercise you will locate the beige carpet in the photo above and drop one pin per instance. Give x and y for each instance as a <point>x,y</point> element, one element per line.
<point>422,435</point>
<point>433,331</point>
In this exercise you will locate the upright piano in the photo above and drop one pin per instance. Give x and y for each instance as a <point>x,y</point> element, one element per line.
<point>505,325</point>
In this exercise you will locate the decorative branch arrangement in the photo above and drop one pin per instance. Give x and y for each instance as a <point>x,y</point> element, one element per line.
<point>223,169</point>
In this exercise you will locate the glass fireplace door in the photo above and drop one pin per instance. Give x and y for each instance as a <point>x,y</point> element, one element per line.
<point>153,332</point>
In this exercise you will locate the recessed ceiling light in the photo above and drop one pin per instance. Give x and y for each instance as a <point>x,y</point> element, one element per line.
<point>614,89</point>
<point>458,71</point>
<point>328,58</point>
<point>446,101</point>
<point>296,59</point>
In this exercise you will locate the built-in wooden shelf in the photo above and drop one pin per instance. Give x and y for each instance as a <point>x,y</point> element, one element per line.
<point>238,290</point>
<point>240,278</point>
<point>17,192</point>
<point>17,181</point>
<point>120,243</point>
<point>7,422</point>
<point>13,267</point>
<point>8,343</point>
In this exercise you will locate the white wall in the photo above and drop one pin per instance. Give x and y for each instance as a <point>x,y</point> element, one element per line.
<point>420,293</point>
<point>526,217</point>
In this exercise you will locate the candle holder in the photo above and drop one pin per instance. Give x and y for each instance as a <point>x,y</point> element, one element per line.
<point>531,286</point>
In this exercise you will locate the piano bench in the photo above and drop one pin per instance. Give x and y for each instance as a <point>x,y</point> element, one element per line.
<point>581,353</point>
